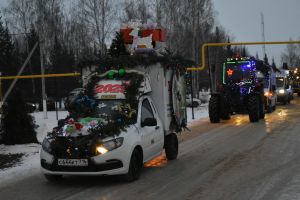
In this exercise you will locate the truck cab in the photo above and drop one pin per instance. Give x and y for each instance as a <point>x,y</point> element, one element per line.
<point>117,126</point>
<point>284,89</point>
<point>270,95</point>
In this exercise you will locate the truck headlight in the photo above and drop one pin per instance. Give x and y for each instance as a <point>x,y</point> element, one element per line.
<point>46,145</point>
<point>268,94</point>
<point>281,91</point>
<point>109,145</point>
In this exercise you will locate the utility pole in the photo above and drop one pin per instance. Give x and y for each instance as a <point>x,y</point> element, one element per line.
<point>263,34</point>
<point>41,40</point>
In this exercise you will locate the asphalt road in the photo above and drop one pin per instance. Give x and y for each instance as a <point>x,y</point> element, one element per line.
<point>231,160</point>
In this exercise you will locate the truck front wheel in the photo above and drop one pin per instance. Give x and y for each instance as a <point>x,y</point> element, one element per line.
<point>171,146</point>
<point>135,166</point>
<point>214,109</point>
<point>253,107</point>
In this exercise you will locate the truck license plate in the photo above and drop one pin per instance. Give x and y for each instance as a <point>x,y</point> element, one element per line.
<point>73,162</point>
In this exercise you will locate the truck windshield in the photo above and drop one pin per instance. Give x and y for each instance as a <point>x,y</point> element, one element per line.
<point>279,82</point>
<point>116,110</point>
<point>236,72</point>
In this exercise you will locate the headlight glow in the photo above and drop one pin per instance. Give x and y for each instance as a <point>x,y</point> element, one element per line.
<point>101,150</point>
<point>268,94</point>
<point>281,91</point>
<point>109,145</point>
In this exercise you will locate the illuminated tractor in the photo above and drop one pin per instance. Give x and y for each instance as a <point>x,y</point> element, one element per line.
<point>237,89</point>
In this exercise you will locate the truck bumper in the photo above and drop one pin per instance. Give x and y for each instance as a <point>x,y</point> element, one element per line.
<point>112,163</point>
<point>282,98</point>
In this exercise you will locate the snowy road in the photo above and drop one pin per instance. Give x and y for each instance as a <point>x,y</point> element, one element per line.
<point>231,160</point>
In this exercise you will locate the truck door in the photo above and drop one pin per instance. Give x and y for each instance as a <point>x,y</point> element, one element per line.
<point>159,133</point>
<point>148,129</point>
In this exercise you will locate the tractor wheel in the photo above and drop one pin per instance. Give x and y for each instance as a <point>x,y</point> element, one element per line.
<point>214,109</point>
<point>253,107</point>
<point>171,146</point>
<point>261,109</point>
<point>225,109</point>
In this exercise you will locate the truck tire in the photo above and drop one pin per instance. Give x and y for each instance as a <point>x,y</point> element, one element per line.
<point>135,166</point>
<point>225,109</point>
<point>53,178</point>
<point>253,107</point>
<point>214,109</point>
<point>171,146</point>
<point>284,102</point>
<point>261,109</point>
<point>269,109</point>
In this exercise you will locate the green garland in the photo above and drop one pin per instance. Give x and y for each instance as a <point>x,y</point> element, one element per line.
<point>167,60</point>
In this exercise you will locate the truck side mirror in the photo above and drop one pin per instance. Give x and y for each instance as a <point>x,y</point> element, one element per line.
<point>287,87</point>
<point>149,122</point>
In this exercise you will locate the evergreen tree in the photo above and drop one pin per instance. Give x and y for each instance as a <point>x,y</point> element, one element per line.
<point>6,50</point>
<point>8,60</point>
<point>62,61</point>
<point>117,47</point>
<point>229,51</point>
<point>266,60</point>
<point>244,52</point>
<point>17,124</point>
<point>274,67</point>
<point>256,56</point>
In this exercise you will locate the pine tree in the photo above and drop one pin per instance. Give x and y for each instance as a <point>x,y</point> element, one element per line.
<point>62,61</point>
<point>117,47</point>
<point>266,60</point>
<point>6,50</point>
<point>17,124</point>
<point>229,51</point>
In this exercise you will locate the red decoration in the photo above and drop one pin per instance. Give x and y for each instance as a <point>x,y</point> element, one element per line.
<point>109,88</point>
<point>158,35</point>
<point>127,38</point>
<point>229,72</point>
<point>78,126</point>
<point>70,121</point>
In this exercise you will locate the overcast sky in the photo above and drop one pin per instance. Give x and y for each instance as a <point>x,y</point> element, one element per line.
<point>242,19</point>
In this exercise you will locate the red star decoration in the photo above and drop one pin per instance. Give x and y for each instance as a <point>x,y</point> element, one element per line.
<point>229,72</point>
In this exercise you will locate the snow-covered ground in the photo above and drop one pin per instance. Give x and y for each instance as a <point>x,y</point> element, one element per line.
<point>30,161</point>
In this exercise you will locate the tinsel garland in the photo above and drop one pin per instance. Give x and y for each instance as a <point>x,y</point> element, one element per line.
<point>167,60</point>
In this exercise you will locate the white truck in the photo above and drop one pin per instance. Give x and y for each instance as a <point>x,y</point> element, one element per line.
<point>285,91</point>
<point>87,144</point>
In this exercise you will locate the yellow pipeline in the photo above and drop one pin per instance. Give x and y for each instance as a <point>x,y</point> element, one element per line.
<point>233,44</point>
<point>39,76</point>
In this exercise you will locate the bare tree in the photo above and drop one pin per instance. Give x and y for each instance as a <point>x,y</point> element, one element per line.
<point>291,56</point>
<point>99,18</point>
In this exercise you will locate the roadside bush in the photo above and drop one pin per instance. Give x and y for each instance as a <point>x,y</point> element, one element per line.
<point>17,125</point>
